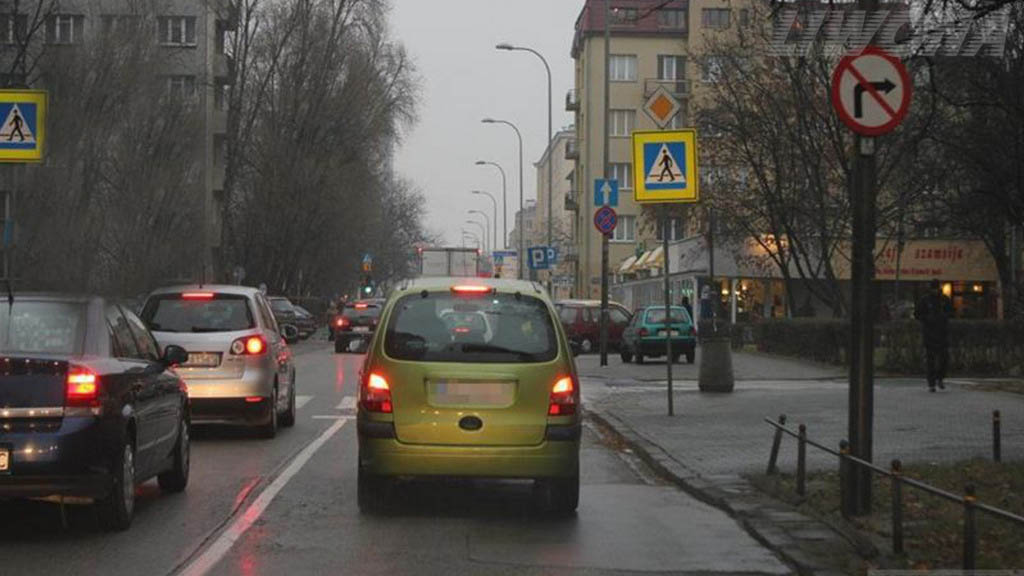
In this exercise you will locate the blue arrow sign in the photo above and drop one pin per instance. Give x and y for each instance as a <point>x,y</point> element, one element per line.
<point>606,192</point>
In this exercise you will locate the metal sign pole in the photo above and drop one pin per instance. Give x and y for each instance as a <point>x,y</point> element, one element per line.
<point>668,307</point>
<point>607,175</point>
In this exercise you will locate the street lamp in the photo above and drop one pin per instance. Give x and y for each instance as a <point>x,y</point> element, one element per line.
<point>512,48</point>
<point>472,236</point>
<point>487,222</point>
<point>504,201</point>
<point>494,202</point>
<point>522,239</point>
<point>483,230</point>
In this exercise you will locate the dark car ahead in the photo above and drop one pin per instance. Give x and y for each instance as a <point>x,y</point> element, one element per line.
<point>89,407</point>
<point>305,322</point>
<point>582,322</point>
<point>285,315</point>
<point>356,322</point>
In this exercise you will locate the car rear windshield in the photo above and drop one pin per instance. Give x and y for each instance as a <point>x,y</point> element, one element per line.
<point>359,310</point>
<point>42,327</point>
<point>489,328</point>
<point>657,315</point>
<point>178,313</point>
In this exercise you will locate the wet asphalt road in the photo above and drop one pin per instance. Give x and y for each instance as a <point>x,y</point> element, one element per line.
<point>287,506</point>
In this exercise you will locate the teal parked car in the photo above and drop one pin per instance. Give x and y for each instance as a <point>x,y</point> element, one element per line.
<point>645,335</point>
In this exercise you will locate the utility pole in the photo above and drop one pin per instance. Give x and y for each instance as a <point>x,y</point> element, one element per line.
<point>607,175</point>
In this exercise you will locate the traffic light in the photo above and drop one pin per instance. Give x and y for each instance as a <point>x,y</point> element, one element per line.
<point>367,286</point>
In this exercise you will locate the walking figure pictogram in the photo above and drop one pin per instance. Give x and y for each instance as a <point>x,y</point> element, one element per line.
<point>667,165</point>
<point>16,121</point>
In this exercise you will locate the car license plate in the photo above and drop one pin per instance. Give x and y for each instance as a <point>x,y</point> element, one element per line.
<point>203,360</point>
<point>5,460</point>
<point>463,393</point>
<point>672,333</point>
<point>361,329</point>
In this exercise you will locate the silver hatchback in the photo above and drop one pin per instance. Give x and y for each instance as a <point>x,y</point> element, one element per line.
<point>239,369</point>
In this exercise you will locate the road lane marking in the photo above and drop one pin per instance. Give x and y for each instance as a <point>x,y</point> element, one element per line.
<point>331,417</point>
<point>347,403</point>
<point>216,552</point>
<point>301,401</point>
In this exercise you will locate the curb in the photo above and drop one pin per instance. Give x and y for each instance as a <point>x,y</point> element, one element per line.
<point>756,520</point>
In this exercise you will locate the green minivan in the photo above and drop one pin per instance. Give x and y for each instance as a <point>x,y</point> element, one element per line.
<point>469,378</point>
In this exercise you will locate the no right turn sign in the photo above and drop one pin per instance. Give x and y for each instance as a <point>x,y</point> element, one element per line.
<point>871,91</point>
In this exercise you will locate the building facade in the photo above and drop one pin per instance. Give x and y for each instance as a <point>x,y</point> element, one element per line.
<point>563,229</point>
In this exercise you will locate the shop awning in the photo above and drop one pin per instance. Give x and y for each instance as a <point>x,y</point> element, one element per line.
<point>627,265</point>
<point>656,259</point>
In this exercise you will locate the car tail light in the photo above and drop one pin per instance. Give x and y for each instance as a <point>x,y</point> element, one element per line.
<point>249,346</point>
<point>471,289</point>
<point>253,399</point>
<point>643,332</point>
<point>197,296</point>
<point>376,394</point>
<point>693,330</point>
<point>563,397</point>
<point>82,388</point>
<point>341,322</point>
<point>362,306</point>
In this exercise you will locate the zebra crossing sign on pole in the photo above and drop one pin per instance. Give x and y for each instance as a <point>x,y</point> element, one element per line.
<point>665,167</point>
<point>22,125</point>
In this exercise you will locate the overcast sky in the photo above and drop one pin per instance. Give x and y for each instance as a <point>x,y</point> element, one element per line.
<point>464,79</point>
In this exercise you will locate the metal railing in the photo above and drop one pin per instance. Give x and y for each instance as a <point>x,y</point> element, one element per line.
<point>895,474</point>
<point>679,88</point>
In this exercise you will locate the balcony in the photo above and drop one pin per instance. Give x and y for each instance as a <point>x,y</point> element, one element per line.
<point>572,101</point>
<point>223,66</point>
<point>678,88</point>
<point>572,150</point>
<point>570,202</point>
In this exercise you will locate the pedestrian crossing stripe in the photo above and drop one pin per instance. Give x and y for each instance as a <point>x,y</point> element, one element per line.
<point>22,125</point>
<point>665,166</point>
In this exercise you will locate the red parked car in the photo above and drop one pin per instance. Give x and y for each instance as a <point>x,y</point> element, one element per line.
<point>582,321</point>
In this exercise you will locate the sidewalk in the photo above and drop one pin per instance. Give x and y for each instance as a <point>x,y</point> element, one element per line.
<point>745,366</point>
<point>715,440</point>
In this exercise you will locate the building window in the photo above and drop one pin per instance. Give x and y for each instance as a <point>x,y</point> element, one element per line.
<point>622,122</point>
<point>676,19</point>
<point>622,68</point>
<point>677,122</point>
<point>671,67</point>
<point>711,69</point>
<point>65,29</point>
<point>624,16</point>
<point>623,172</point>
<point>181,87</point>
<point>717,18</point>
<point>177,30</point>
<point>675,229</point>
<point>744,17</point>
<point>625,231</point>
<point>13,29</point>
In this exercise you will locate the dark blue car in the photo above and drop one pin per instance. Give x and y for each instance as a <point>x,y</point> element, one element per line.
<point>89,407</point>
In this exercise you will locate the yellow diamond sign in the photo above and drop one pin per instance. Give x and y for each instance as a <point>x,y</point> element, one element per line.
<point>662,107</point>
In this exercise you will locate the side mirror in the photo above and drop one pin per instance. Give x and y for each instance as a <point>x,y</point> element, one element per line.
<point>289,332</point>
<point>174,355</point>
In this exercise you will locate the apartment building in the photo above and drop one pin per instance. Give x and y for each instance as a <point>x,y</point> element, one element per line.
<point>655,51</point>
<point>563,229</point>
<point>192,37</point>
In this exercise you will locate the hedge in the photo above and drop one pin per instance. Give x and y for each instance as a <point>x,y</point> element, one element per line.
<point>980,347</point>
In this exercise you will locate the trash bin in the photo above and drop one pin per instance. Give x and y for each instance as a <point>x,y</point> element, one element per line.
<point>715,373</point>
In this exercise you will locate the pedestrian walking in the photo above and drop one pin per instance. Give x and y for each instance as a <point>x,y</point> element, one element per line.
<point>686,304</point>
<point>933,312</point>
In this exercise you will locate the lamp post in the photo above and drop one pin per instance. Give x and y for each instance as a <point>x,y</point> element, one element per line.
<point>487,222</point>
<point>472,236</point>
<point>494,202</point>
<point>504,201</point>
<point>551,179</point>
<point>522,240</point>
<point>483,230</point>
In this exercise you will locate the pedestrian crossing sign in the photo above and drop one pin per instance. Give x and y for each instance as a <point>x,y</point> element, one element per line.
<point>22,125</point>
<point>665,166</point>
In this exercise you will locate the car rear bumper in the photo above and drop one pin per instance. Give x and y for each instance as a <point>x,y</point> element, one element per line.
<point>232,411</point>
<point>252,382</point>
<point>550,459</point>
<point>66,460</point>
<point>656,346</point>
<point>95,485</point>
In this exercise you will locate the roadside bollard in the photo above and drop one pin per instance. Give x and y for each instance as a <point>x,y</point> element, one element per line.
<point>844,451</point>
<point>773,458</point>
<point>970,528</point>
<point>897,507</point>
<point>801,462</point>
<point>997,437</point>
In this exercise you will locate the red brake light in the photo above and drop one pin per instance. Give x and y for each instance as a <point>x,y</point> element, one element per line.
<point>250,345</point>
<point>461,330</point>
<point>362,306</point>
<point>376,394</point>
<point>472,289</point>
<point>254,345</point>
<point>563,397</point>
<point>82,388</point>
<point>644,332</point>
<point>197,296</point>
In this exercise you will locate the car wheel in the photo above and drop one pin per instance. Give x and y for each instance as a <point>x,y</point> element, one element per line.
<point>690,354</point>
<point>587,346</point>
<point>675,357</point>
<point>288,418</point>
<point>176,479</point>
<point>115,512</point>
<point>626,356</point>
<point>371,492</point>
<point>269,430</point>
<point>340,345</point>
<point>561,495</point>
<point>639,358</point>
